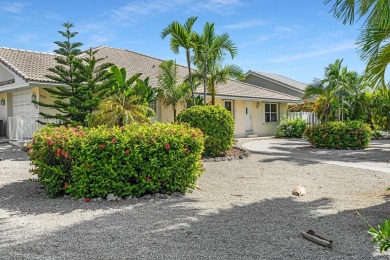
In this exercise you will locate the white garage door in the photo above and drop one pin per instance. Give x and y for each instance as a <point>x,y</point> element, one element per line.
<point>22,103</point>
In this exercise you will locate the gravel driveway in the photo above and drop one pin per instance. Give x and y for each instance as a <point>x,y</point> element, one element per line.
<point>241,209</point>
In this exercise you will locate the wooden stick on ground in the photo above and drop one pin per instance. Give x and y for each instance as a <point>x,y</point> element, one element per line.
<point>311,236</point>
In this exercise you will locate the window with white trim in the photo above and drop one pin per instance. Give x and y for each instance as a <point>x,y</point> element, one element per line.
<point>271,113</point>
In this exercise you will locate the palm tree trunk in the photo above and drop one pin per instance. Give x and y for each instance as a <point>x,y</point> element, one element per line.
<point>190,77</point>
<point>212,94</point>
<point>205,80</point>
<point>174,114</point>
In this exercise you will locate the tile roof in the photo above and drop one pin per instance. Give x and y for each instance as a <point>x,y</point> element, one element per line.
<point>29,65</point>
<point>286,81</point>
<point>33,66</point>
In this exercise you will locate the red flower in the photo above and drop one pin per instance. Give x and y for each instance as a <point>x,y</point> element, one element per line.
<point>167,147</point>
<point>87,199</point>
<point>66,155</point>
<point>127,152</point>
<point>122,128</point>
<point>193,135</point>
<point>102,146</point>
<point>66,185</point>
<point>58,150</point>
<point>114,141</point>
<point>148,179</point>
<point>51,143</point>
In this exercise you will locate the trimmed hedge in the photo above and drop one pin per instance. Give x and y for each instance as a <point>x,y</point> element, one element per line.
<point>216,123</point>
<point>339,135</point>
<point>129,161</point>
<point>290,128</point>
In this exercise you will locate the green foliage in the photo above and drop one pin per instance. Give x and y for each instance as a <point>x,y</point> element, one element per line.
<point>381,236</point>
<point>171,93</point>
<point>290,128</point>
<point>127,101</point>
<point>339,135</point>
<point>84,81</point>
<point>216,123</point>
<point>134,160</point>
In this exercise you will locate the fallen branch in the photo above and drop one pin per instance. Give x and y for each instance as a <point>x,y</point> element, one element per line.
<point>313,237</point>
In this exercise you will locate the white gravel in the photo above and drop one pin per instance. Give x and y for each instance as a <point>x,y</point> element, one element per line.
<point>241,209</point>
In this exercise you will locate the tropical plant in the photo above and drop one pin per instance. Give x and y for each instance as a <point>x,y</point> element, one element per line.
<point>127,161</point>
<point>218,74</point>
<point>83,83</point>
<point>373,38</point>
<point>290,128</point>
<point>124,105</point>
<point>170,91</point>
<point>182,36</point>
<point>209,52</point>
<point>330,88</point>
<point>216,123</point>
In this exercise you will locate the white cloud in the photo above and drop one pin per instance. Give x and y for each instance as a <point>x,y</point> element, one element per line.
<point>321,51</point>
<point>16,8</point>
<point>245,24</point>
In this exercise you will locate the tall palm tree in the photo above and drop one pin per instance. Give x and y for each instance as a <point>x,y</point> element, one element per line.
<point>170,91</point>
<point>123,104</point>
<point>374,37</point>
<point>218,74</point>
<point>210,49</point>
<point>335,78</point>
<point>182,36</point>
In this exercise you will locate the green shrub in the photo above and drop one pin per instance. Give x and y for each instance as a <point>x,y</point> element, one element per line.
<point>134,160</point>
<point>216,123</point>
<point>290,128</point>
<point>339,135</point>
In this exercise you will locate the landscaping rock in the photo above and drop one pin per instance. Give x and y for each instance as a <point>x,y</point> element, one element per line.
<point>299,190</point>
<point>112,197</point>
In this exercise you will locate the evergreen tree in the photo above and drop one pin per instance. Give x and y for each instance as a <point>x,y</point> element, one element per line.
<point>83,83</point>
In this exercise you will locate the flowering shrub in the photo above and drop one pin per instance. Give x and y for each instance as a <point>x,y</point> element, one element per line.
<point>339,135</point>
<point>133,160</point>
<point>216,123</point>
<point>290,128</point>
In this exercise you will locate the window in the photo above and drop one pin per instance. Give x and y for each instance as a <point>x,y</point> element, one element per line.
<point>228,105</point>
<point>271,113</point>
<point>153,105</point>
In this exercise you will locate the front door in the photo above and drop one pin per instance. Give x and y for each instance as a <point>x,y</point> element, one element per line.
<point>248,125</point>
<point>22,103</point>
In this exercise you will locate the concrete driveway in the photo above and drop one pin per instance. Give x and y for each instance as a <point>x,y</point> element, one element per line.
<point>376,157</point>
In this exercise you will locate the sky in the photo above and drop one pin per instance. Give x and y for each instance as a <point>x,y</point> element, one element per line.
<point>296,39</point>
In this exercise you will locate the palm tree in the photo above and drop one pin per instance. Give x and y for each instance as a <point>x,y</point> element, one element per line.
<point>123,104</point>
<point>218,74</point>
<point>210,49</point>
<point>182,36</point>
<point>373,38</point>
<point>329,88</point>
<point>170,91</point>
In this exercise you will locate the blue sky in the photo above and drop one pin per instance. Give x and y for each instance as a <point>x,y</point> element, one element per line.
<point>296,39</point>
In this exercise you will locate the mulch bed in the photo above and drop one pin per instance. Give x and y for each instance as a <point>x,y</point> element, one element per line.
<point>234,153</point>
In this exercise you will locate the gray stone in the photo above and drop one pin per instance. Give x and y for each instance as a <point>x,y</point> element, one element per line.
<point>112,197</point>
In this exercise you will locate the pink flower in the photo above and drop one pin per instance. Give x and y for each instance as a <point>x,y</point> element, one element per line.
<point>102,146</point>
<point>66,185</point>
<point>87,199</point>
<point>58,150</point>
<point>114,141</point>
<point>148,179</point>
<point>127,152</point>
<point>167,146</point>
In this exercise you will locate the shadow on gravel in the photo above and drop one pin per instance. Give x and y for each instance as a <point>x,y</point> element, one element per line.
<point>269,229</point>
<point>12,153</point>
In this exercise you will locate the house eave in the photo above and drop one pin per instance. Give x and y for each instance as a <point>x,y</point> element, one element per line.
<point>274,81</point>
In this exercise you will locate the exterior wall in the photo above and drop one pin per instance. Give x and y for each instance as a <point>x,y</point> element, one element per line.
<point>4,114</point>
<point>257,81</point>
<point>166,113</point>
<point>44,96</point>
